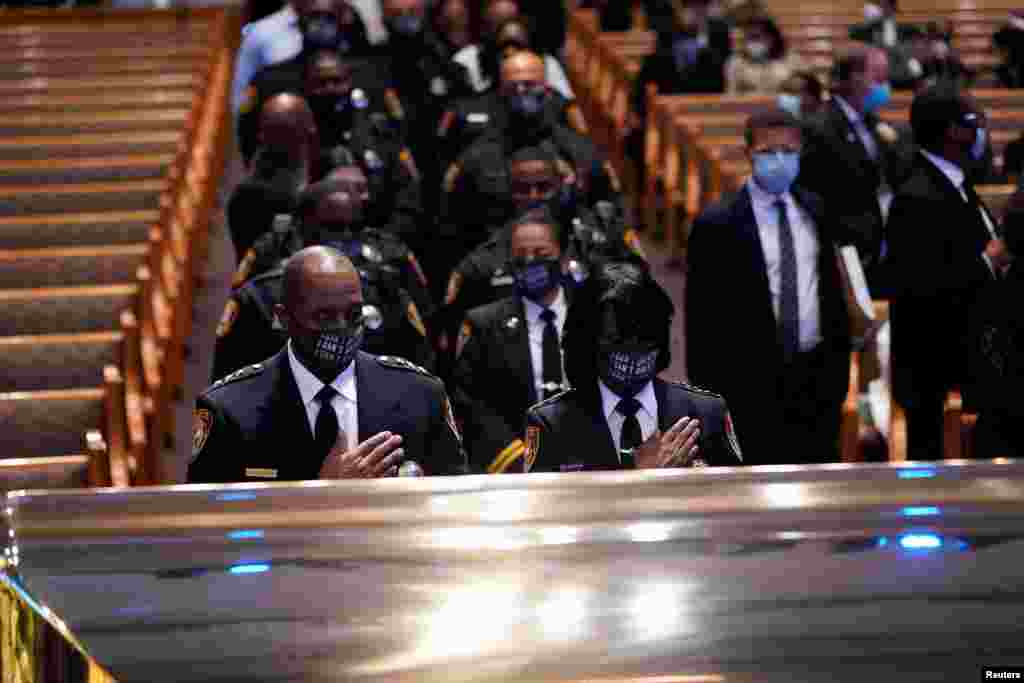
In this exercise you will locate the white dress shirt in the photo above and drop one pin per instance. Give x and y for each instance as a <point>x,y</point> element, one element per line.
<point>647,416</point>
<point>805,243</point>
<point>344,403</point>
<point>554,74</point>
<point>535,328</point>
<point>956,176</point>
<point>867,140</point>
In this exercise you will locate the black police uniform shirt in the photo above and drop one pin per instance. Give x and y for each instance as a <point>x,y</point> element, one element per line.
<point>499,373</point>
<point>470,118</point>
<point>369,83</point>
<point>476,197</point>
<point>572,431</point>
<point>369,248</point>
<point>253,426</point>
<point>249,331</point>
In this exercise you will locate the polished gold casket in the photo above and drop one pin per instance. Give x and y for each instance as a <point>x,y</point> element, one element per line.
<point>837,573</point>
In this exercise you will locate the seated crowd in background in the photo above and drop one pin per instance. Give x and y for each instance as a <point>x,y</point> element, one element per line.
<point>435,275</point>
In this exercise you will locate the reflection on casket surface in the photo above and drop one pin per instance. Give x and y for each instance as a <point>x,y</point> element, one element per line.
<point>788,574</point>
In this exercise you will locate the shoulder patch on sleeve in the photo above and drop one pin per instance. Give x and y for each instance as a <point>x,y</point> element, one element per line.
<point>414,263</point>
<point>247,371</point>
<point>249,100</point>
<point>394,104</point>
<point>632,240</point>
<point>730,432</point>
<point>451,176</point>
<point>465,334</point>
<point>532,447</point>
<point>576,120</point>
<point>507,457</point>
<point>227,318</point>
<point>446,123</point>
<point>413,314</point>
<point>454,287</point>
<point>244,268</point>
<point>613,178</point>
<point>697,390</point>
<point>405,158</point>
<point>202,425</point>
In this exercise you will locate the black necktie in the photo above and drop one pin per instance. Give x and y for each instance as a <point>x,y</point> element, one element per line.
<point>631,437</point>
<point>789,304</point>
<point>552,357</point>
<point>326,431</point>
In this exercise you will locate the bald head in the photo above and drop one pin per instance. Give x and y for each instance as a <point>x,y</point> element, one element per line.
<point>523,67</point>
<point>286,122</point>
<point>318,277</point>
<point>498,11</point>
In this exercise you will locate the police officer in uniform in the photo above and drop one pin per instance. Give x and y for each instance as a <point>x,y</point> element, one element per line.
<point>344,119</point>
<point>320,407</point>
<point>328,213</point>
<point>484,275</point>
<point>618,414</point>
<point>476,195</point>
<point>285,161</point>
<point>508,354</point>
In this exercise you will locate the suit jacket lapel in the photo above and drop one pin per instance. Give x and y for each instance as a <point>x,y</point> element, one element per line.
<point>746,220</point>
<point>945,185</point>
<point>289,414</point>
<point>849,137</point>
<point>517,354</point>
<point>373,406</point>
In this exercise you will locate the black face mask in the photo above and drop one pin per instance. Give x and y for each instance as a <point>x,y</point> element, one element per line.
<point>328,351</point>
<point>322,32</point>
<point>627,368</point>
<point>326,233</point>
<point>280,170</point>
<point>528,105</point>
<point>406,27</point>
<point>537,278</point>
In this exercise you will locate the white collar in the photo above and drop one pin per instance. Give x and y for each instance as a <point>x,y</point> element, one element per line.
<point>953,173</point>
<point>646,397</point>
<point>533,309</point>
<point>309,384</point>
<point>759,196</point>
<point>849,112</point>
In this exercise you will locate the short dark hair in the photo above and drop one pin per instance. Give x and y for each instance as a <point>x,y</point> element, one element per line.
<point>934,110</point>
<point>541,216</point>
<point>768,25</point>
<point>770,118</point>
<point>848,63</point>
<point>532,153</point>
<point>637,299</point>
<point>310,198</point>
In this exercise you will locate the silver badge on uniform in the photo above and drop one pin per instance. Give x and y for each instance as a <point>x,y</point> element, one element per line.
<point>512,323</point>
<point>359,99</point>
<point>500,280</point>
<point>371,254</point>
<point>438,87</point>
<point>478,117</point>
<point>578,271</point>
<point>373,160</point>
<point>372,317</point>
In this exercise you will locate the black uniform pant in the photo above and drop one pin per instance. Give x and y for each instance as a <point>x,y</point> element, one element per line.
<point>923,409</point>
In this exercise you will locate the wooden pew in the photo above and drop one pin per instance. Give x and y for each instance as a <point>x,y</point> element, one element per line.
<point>58,361</point>
<point>88,145</point>
<point>85,169</point>
<point>70,266</point>
<point>80,229</point>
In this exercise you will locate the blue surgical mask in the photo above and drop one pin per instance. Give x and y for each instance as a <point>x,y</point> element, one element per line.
<point>877,97</point>
<point>790,104</point>
<point>407,25</point>
<point>980,143</point>
<point>774,172</point>
<point>537,278</point>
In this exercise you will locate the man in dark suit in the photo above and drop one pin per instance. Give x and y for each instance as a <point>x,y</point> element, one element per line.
<point>766,320</point>
<point>509,352</point>
<point>944,251</point>
<point>852,161</point>
<point>618,414</point>
<point>320,407</point>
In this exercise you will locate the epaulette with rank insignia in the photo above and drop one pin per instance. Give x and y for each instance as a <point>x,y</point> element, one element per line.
<point>247,371</point>
<point>549,400</point>
<point>697,390</point>
<point>399,363</point>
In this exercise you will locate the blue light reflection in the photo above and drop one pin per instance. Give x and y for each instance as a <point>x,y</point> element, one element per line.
<point>236,496</point>
<point>923,541</point>
<point>921,511</point>
<point>245,534</point>
<point>916,473</point>
<point>249,568</point>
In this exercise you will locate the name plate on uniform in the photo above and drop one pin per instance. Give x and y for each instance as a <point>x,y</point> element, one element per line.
<point>260,473</point>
